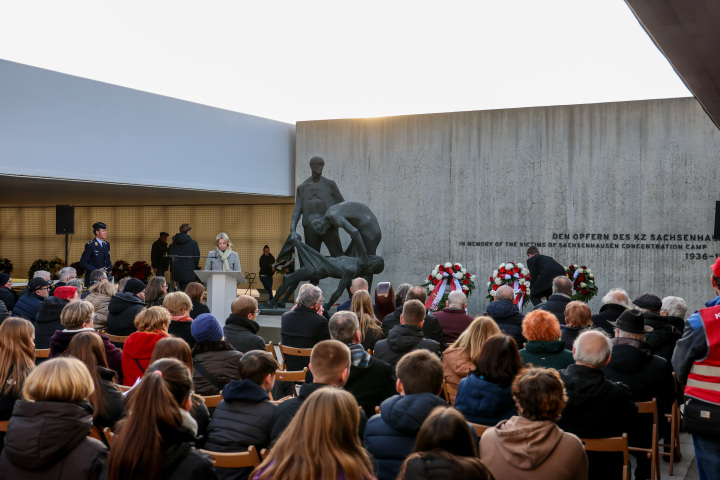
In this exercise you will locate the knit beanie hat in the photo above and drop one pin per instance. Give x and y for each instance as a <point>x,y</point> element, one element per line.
<point>65,293</point>
<point>134,286</point>
<point>206,328</point>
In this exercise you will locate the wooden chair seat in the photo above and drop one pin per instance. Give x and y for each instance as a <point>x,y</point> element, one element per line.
<point>295,376</point>
<point>235,460</point>
<point>610,444</point>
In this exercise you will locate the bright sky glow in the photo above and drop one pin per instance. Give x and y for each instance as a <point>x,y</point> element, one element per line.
<point>313,60</point>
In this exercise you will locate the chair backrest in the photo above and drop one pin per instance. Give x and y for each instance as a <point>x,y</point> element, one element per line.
<point>293,352</point>
<point>122,388</point>
<point>610,444</point>
<point>3,425</point>
<point>450,392</point>
<point>109,436</point>
<point>95,433</point>
<point>211,401</point>
<point>42,353</point>
<point>271,349</point>
<point>235,460</point>
<point>291,376</point>
<point>479,429</point>
<point>377,408</point>
<point>649,407</point>
<point>117,338</point>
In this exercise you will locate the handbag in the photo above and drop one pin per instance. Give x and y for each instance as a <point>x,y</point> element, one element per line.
<point>702,418</point>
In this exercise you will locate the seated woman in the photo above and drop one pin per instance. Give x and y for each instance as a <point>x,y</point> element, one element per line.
<point>152,326</point>
<point>320,442</point>
<point>106,399</point>
<point>196,291</point>
<point>179,306</point>
<point>370,331</point>
<point>100,295</point>
<point>155,292</point>
<point>223,258</point>
<point>156,439</point>
<point>577,319</point>
<point>76,317</point>
<point>445,448</point>
<point>47,435</point>
<point>544,347</point>
<point>457,358</point>
<point>484,396</point>
<point>216,361</point>
<point>17,360</point>
<point>530,445</point>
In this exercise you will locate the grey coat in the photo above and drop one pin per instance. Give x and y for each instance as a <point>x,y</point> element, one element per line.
<point>215,263</point>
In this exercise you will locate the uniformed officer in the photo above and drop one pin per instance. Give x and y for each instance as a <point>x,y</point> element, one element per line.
<point>97,252</point>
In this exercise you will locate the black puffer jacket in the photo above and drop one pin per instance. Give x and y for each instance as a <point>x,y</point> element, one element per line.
<point>442,465</point>
<point>183,268</point>
<point>241,333</point>
<point>114,409</point>
<point>508,317</point>
<point>243,418</point>
<point>220,360</point>
<point>122,309</point>
<point>27,307</point>
<point>401,340</point>
<point>48,321</point>
<point>50,440</point>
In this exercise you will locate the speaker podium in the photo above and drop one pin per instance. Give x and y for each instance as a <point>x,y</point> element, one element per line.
<point>222,290</point>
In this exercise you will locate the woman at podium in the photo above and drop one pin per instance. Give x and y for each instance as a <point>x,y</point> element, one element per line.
<point>223,258</point>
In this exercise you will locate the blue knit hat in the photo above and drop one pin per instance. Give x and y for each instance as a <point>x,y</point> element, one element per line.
<point>206,328</point>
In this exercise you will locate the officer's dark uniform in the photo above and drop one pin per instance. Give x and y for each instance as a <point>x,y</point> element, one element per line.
<point>95,256</point>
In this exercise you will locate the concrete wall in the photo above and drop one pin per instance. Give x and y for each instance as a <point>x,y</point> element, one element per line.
<point>479,187</point>
<point>60,126</point>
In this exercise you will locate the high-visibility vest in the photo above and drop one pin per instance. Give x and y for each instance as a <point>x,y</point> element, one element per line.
<point>704,379</point>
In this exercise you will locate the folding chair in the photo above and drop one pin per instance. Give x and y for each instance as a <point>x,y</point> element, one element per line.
<point>42,353</point>
<point>479,429</point>
<point>295,376</point>
<point>652,452</point>
<point>271,349</point>
<point>3,425</point>
<point>610,444</point>
<point>211,401</point>
<point>122,388</point>
<point>674,419</point>
<point>109,436</point>
<point>450,392</point>
<point>293,352</point>
<point>117,338</point>
<point>235,460</point>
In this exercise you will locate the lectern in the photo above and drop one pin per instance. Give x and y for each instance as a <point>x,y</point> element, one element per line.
<point>222,290</point>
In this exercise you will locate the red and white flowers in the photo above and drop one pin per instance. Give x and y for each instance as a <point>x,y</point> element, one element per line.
<point>449,274</point>
<point>583,282</point>
<point>514,275</point>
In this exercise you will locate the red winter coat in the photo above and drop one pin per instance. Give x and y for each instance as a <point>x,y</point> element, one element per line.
<point>136,354</point>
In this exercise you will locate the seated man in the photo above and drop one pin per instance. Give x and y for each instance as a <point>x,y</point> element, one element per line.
<point>330,366</point>
<point>244,416</point>
<point>241,326</point>
<point>28,305</point>
<point>562,289</point>
<point>506,314</point>
<point>124,307</point>
<point>454,318</point>
<point>371,380</point>
<point>596,407</point>
<point>407,336</point>
<point>431,325</point>
<point>304,327</point>
<point>390,435</point>
<point>357,284</point>
<point>615,302</point>
<point>666,330</point>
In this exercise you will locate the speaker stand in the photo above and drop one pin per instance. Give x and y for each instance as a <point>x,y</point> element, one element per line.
<point>67,249</point>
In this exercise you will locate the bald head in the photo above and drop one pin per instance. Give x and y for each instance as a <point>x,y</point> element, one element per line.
<point>592,349</point>
<point>562,284</point>
<point>618,296</point>
<point>505,293</point>
<point>359,284</point>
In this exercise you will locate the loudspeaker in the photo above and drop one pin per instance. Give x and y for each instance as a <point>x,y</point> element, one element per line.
<point>64,219</point>
<point>716,234</point>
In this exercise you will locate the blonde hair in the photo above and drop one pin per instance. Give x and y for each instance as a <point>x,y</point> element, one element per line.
<point>473,338</point>
<point>362,306</point>
<point>320,442</point>
<point>177,302</point>
<point>152,319</point>
<point>105,288</point>
<point>17,354</point>
<point>223,236</point>
<point>63,379</point>
<point>76,313</point>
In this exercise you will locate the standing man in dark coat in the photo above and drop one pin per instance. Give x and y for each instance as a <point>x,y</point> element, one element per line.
<point>159,249</point>
<point>615,302</point>
<point>543,269</point>
<point>183,269</point>
<point>304,327</point>
<point>266,270</point>
<point>97,252</point>
<point>561,296</point>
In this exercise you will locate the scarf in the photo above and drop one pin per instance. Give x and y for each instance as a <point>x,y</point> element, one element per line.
<point>224,257</point>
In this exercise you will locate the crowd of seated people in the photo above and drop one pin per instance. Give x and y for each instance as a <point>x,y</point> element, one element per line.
<point>383,398</point>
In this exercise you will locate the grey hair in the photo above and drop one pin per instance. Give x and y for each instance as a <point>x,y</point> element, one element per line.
<point>562,284</point>
<point>624,334</point>
<point>343,326</point>
<point>674,306</point>
<point>223,236</point>
<point>618,296</point>
<point>310,296</point>
<point>401,293</point>
<point>505,292</point>
<point>457,299</point>
<point>42,273</point>
<point>590,352</point>
<point>359,283</point>
<point>75,283</point>
<point>66,273</point>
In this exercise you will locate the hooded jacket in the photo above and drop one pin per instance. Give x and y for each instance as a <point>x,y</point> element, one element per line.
<point>244,417</point>
<point>522,448</point>
<point>484,402</point>
<point>508,317</point>
<point>371,384</point>
<point>27,307</point>
<point>183,268</point>
<point>136,354</point>
<point>61,340</point>
<point>122,309</point>
<point>666,332</point>
<point>550,354</point>
<point>241,333</point>
<point>47,321</point>
<point>390,435</point>
<point>401,340</point>
<point>221,361</point>
<point>50,440</point>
